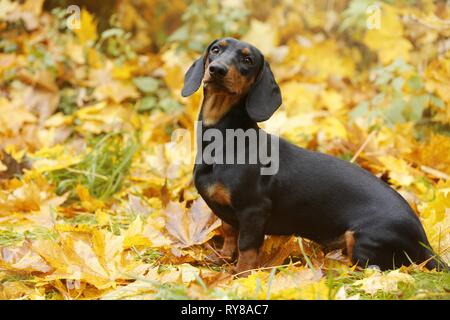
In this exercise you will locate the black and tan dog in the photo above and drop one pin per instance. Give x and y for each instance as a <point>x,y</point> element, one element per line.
<point>313,195</point>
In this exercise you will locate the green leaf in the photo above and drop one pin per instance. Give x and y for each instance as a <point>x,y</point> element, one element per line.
<point>415,83</point>
<point>146,103</point>
<point>146,84</point>
<point>383,77</point>
<point>397,83</point>
<point>417,104</point>
<point>361,109</point>
<point>378,99</point>
<point>180,34</point>
<point>395,112</point>
<point>437,102</point>
<point>168,104</point>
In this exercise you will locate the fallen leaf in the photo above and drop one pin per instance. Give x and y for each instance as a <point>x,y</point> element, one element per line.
<point>383,282</point>
<point>190,227</point>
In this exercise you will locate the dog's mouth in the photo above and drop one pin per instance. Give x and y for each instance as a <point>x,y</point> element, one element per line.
<point>217,85</point>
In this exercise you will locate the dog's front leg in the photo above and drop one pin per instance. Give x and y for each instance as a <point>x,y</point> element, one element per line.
<point>229,248</point>
<point>230,241</point>
<point>252,223</point>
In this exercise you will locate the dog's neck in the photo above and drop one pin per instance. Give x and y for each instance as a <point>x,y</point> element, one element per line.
<point>215,106</point>
<point>224,111</point>
<point>221,113</point>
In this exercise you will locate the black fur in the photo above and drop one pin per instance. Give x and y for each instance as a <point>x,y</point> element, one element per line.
<point>264,97</point>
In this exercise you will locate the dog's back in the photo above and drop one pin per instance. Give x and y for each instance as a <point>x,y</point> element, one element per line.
<point>334,196</point>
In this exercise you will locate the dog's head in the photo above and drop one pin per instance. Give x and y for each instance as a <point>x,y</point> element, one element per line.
<point>236,68</point>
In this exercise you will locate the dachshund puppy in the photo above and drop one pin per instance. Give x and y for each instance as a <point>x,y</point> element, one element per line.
<point>313,195</point>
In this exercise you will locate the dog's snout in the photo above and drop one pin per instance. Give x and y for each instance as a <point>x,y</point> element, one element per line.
<point>219,70</point>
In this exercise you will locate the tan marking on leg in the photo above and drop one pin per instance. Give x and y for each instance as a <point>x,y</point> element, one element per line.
<point>229,248</point>
<point>230,235</point>
<point>219,193</point>
<point>247,260</point>
<point>349,244</point>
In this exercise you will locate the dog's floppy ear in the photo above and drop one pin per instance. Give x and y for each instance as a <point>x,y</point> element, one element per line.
<point>194,75</point>
<point>264,96</point>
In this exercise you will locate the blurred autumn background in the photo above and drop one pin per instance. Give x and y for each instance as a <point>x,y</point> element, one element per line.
<point>96,199</point>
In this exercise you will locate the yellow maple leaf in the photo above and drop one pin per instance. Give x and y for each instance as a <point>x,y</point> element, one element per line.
<point>435,216</point>
<point>299,97</point>
<point>102,117</point>
<point>139,289</point>
<point>434,152</point>
<point>123,72</point>
<point>437,77</point>
<point>53,158</point>
<point>87,32</point>
<point>388,41</point>
<point>299,283</point>
<point>24,197</point>
<point>292,283</point>
<point>95,59</point>
<point>133,235</point>
<point>94,257</point>
<point>332,128</point>
<point>399,171</point>
<point>102,217</point>
<point>322,58</point>
<point>333,100</point>
<point>117,91</point>
<point>20,290</point>
<point>87,201</point>
<point>13,124</point>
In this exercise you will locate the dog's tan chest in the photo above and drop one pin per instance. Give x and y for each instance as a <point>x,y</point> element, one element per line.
<point>215,106</point>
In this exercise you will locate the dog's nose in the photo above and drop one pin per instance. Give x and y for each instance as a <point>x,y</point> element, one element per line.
<point>218,70</point>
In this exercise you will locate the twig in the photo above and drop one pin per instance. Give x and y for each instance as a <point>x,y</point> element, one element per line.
<point>361,148</point>
<point>218,254</point>
<point>268,268</point>
<point>435,173</point>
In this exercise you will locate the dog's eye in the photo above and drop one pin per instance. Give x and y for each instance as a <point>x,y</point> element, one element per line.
<point>215,50</point>
<point>247,60</point>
